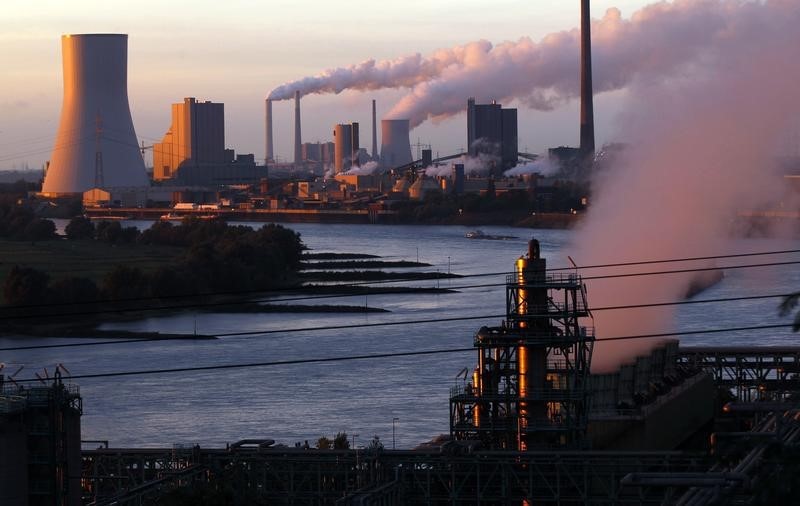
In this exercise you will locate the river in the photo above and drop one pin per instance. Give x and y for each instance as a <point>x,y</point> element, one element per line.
<point>294,403</point>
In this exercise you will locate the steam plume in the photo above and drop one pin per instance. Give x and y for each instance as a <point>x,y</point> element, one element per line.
<point>702,146</point>
<point>658,42</point>
<point>404,72</point>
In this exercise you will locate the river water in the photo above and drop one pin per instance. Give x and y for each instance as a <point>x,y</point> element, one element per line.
<point>292,403</point>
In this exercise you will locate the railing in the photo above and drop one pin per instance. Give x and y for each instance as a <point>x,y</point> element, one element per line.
<point>531,279</point>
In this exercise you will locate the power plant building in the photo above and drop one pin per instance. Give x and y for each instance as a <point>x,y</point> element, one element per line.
<point>96,144</point>
<point>193,149</point>
<point>195,138</point>
<point>492,130</point>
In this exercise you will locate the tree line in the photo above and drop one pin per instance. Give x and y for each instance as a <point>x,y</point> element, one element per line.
<point>214,258</point>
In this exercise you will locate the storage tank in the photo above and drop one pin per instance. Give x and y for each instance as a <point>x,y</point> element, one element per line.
<point>395,144</point>
<point>96,144</point>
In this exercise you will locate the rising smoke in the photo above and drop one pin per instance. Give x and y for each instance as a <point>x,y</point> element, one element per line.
<point>702,145</point>
<point>404,72</point>
<point>542,167</point>
<point>657,43</point>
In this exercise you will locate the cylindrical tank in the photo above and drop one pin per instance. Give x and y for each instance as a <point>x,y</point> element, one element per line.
<point>395,144</point>
<point>343,148</point>
<point>96,144</point>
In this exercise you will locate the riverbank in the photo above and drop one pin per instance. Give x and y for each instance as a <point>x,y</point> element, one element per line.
<point>342,216</point>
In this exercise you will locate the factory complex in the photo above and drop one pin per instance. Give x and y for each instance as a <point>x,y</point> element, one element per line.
<point>97,158</point>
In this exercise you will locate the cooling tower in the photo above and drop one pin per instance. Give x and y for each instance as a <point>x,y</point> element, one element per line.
<point>95,144</point>
<point>268,156</point>
<point>395,144</point>
<point>587,102</point>
<point>298,143</point>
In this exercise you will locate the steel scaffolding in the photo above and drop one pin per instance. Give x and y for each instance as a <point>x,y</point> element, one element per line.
<point>529,389</point>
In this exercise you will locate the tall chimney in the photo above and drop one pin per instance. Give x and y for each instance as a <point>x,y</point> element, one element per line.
<point>587,105</point>
<point>269,156</point>
<point>374,132</point>
<point>298,151</point>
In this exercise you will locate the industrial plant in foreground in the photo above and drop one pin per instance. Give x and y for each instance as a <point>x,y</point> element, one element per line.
<point>530,425</point>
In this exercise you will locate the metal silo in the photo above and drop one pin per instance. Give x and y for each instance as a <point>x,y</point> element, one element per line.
<point>96,143</point>
<point>395,145</point>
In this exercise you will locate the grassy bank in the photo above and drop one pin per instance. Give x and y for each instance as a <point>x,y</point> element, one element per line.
<point>85,258</point>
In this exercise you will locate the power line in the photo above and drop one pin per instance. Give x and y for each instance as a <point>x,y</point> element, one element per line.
<point>373,356</point>
<point>464,276</point>
<point>227,303</point>
<point>387,324</point>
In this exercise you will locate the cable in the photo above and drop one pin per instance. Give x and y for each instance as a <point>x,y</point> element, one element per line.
<point>376,282</point>
<point>378,355</point>
<point>461,287</point>
<point>464,276</point>
<point>384,324</point>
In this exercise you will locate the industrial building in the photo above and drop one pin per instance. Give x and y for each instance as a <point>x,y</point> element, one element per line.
<point>40,444</point>
<point>492,131</point>
<point>318,154</point>
<point>193,152</point>
<point>196,137</point>
<point>96,144</point>
<point>346,142</point>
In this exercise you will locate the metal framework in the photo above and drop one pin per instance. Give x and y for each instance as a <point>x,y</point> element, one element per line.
<point>530,387</point>
<point>752,373</point>
<point>349,477</point>
<point>49,419</point>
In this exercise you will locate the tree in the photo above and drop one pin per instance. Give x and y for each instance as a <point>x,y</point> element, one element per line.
<point>109,232</point>
<point>340,442</point>
<point>125,282</point>
<point>323,443</point>
<point>73,290</point>
<point>375,445</point>
<point>25,285</point>
<point>40,230</point>
<point>79,227</point>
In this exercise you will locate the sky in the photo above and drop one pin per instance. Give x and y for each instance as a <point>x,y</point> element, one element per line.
<point>236,52</point>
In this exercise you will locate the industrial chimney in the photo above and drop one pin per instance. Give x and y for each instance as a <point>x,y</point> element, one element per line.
<point>395,144</point>
<point>95,144</point>
<point>269,156</point>
<point>374,132</point>
<point>587,105</point>
<point>298,150</point>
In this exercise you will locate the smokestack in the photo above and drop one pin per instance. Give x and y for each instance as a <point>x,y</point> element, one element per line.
<point>269,157</point>
<point>374,132</point>
<point>587,105</point>
<point>94,113</point>
<point>298,152</point>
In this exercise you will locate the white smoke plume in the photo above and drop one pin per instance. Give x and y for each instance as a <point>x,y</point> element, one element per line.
<point>702,145</point>
<point>542,167</point>
<point>403,72</point>
<point>660,41</point>
<point>365,169</point>
<point>442,170</point>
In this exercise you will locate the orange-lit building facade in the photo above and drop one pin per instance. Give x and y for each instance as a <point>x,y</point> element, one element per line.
<point>195,138</point>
